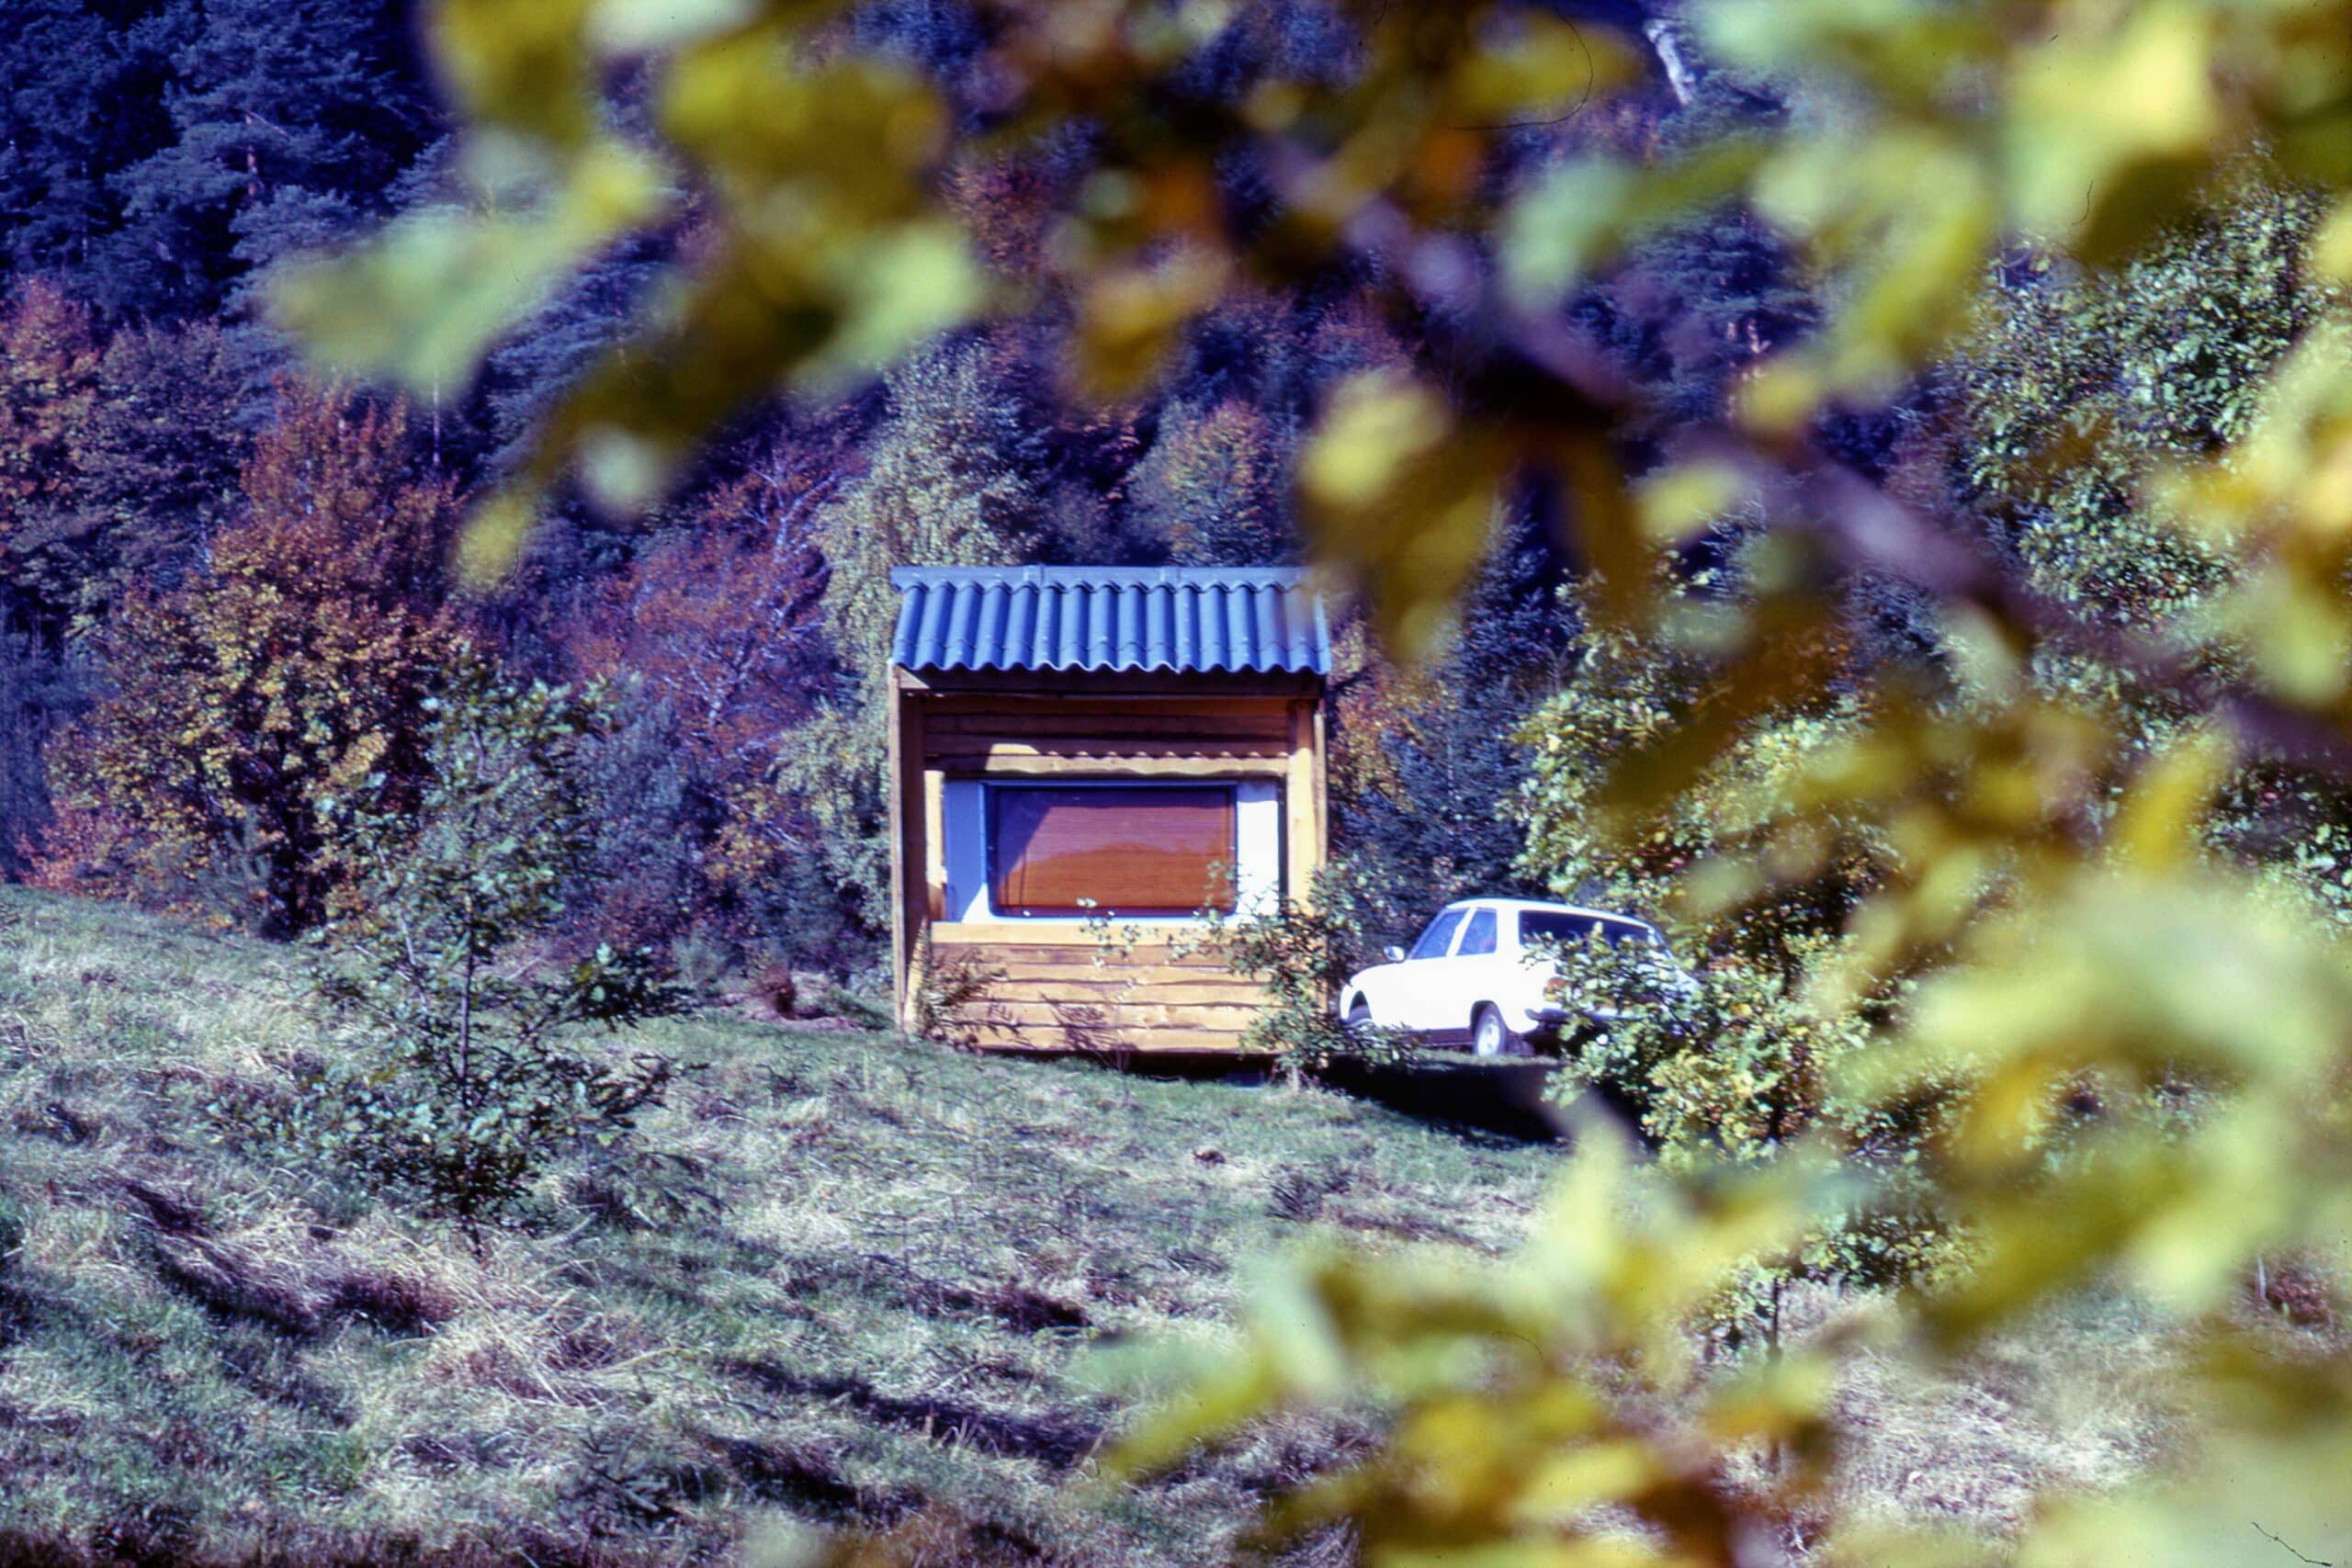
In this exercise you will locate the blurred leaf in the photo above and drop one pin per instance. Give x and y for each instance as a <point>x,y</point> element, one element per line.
<point>1129,318</point>
<point>422,300</point>
<point>1401,496</point>
<point>525,66</point>
<point>2111,122</point>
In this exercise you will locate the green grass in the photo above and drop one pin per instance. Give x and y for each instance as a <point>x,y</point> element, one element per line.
<point>857,1279</point>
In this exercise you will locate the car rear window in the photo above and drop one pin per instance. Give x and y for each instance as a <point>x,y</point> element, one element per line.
<point>1574,931</point>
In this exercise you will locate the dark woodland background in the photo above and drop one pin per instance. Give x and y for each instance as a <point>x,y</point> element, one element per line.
<point>223,588</point>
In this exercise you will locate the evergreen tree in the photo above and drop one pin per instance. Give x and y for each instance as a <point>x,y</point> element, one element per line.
<point>1425,760</point>
<point>940,489</point>
<point>290,119</point>
<point>77,105</point>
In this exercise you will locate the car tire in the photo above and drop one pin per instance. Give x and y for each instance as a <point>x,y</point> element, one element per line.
<point>1491,1036</point>
<point>1359,1016</point>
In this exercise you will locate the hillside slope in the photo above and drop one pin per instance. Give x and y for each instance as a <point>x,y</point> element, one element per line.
<point>857,1277</point>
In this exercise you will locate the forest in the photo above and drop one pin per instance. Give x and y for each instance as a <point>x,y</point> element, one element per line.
<point>174,474</point>
<point>1861,488</point>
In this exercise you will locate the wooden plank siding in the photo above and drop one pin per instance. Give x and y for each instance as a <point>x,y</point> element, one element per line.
<point>1100,995</point>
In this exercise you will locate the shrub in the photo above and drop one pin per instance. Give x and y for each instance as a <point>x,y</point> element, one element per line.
<point>1304,952</point>
<point>946,987</point>
<point>437,956</point>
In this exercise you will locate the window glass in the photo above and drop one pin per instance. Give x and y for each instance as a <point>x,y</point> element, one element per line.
<point>1126,849</point>
<point>1479,935</point>
<point>1440,935</point>
<point>1573,930</point>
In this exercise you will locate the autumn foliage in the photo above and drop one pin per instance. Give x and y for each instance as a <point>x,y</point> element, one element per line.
<point>292,672</point>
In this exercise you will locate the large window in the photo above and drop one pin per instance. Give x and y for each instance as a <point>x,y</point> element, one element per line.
<point>1111,848</point>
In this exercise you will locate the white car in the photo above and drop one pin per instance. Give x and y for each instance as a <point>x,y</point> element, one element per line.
<point>1480,970</point>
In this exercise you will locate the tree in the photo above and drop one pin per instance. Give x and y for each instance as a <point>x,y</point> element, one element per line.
<point>938,489</point>
<point>714,641</point>
<point>1428,757</point>
<point>40,690</point>
<point>118,458</point>
<point>50,388</point>
<point>297,666</point>
<point>2080,386</point>
<point>117,462</point>
<point>78,103</point>
<point>436,957</point>
<point>160,459</point>
<point>287,122</point>
<point>1216,488</point>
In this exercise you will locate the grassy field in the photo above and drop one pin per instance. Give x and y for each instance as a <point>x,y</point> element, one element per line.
<point>862,1277</point>
<point>855,1278</point>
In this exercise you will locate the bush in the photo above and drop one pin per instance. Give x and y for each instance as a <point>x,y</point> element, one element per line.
<point>437,957</point>
<point>947,989</point>
<point>1303,953</point>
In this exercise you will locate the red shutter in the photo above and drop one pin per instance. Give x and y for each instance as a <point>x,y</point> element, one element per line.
<point>1139,849</point>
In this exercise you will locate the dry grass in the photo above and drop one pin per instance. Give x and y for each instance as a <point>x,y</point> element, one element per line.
<point>854,1279</point>
<point>858,1278</point>
<point>2078,1402</point>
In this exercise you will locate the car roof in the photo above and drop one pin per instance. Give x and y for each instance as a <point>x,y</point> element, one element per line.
<point>1547,908</point>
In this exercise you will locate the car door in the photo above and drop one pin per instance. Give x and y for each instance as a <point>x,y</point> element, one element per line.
<point>1417,991</point>
<point>1480,970</point>
<point>1438,1003</point>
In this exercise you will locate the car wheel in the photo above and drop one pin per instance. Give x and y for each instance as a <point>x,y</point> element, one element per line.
<point>1491,1036</point>
<point>1360,1017</point>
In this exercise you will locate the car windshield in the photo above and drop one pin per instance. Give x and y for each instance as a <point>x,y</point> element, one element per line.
<point>1537,925</point>
<point>1440,935</point>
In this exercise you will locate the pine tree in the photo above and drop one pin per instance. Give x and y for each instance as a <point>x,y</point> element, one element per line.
<point>940,489</point>
<point>290,119</point>
<point>76,105</point>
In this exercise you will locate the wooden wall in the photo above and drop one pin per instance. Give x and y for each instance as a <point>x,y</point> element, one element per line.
<point>1058,986</point>
<point>1076,994</point>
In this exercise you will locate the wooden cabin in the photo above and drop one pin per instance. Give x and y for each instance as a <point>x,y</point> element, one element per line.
<point>1085,760</point>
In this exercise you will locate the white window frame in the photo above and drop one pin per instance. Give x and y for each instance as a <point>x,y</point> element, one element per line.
<point>964,834</point>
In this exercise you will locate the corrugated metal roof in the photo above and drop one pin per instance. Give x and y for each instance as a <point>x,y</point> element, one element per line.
<point>1256,619</point>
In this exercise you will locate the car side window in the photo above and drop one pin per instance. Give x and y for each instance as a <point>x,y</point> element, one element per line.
<point>1619,932</point>
<point>1438,936</point>
<point>1568,930</point>
<point>1480,935</point>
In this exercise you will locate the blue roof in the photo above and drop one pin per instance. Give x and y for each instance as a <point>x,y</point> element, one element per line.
<point>1254,619</point>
